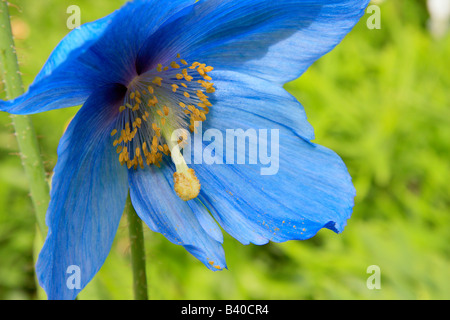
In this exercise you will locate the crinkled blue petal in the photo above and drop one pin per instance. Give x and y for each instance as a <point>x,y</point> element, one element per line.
<point>287,111</point>
<point>307,189</point>
<point>89,190</point>
<point>183,223</point>
<point>275,40</point>
<point>99,53</point>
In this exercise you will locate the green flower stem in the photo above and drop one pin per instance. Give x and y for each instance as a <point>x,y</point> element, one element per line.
<point>137,252</point>
<point>26,136</point>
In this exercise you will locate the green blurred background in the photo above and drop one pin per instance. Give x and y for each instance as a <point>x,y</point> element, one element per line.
<point>380,100</point>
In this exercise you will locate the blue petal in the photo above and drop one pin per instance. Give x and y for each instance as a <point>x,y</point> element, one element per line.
<point>310,187</point>
<point>99,53</point>
<point>74,44</point>
<point>284,109</point>
<point>62,84</point>
<point>89,190</point>
<point>275,40</point>
<point>116,51</point>
<point>183,223</point>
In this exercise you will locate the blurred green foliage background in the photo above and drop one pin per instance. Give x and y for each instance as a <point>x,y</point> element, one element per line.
<point>380,100</point>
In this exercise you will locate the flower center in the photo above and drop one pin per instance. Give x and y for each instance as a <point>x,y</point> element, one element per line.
<point>157,103</point>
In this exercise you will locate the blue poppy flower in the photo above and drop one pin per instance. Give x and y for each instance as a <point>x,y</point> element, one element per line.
<point>155,66</point>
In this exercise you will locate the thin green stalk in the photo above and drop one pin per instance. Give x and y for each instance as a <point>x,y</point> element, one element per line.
<point>137,252</point>
<point>25,133</point>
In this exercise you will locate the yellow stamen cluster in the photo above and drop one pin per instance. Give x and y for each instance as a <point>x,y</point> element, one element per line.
<point>157,103</point>
<point>198,110</point>
<point>152,150</point>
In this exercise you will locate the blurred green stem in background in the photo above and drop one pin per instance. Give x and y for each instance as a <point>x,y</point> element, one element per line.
<point>25,133</point>
<point>137,252</point>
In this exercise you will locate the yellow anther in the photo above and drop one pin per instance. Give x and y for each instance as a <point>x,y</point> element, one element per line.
<point>178,55</point>
<point>179,76</point>
<point>187,76</point>
<point>132,95</point>
<point>184,62</point>
<point>151,90</point>
<point>159,68</point>
<point>187,95</point>
<point>166,110</point>
<point>194,65</point>
<point>153,101</point>
<point>201,71</point>
<point>158,80</point>
<point>174,65</point>
<point>122,108</point>
<point>200,94</point>
<point>113,133</point>
<point>174,87</point>
<point>129,164</point>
